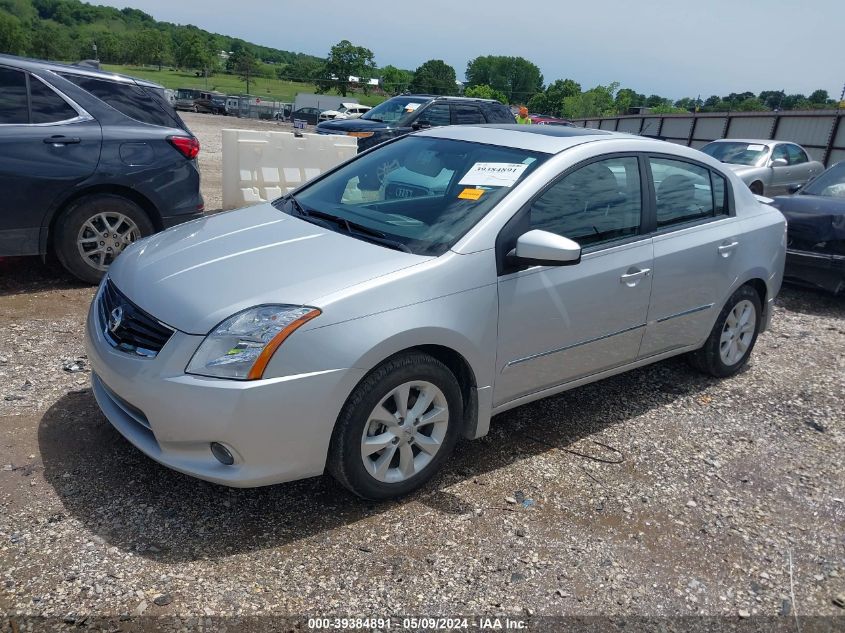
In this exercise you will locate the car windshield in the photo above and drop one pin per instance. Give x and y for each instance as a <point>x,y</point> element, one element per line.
<point>394,109</point>
<point>736,153</point>
<point>416,194</point>
<point>830,184</point>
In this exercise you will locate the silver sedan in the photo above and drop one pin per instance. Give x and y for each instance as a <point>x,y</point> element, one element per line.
<point>366,321</point>
<point>769,168</point>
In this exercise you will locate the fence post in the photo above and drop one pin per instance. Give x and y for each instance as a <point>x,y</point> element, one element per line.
<point>834,128</point>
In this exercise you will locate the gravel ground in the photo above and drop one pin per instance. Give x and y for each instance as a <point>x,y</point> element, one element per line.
<point>657,493</point>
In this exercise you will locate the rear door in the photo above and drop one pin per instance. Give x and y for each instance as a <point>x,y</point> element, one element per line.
<point>47,147</point>
<point>783,175</point>
<point>466,114</point>
<point>696,242</point>
<point>803,169</point>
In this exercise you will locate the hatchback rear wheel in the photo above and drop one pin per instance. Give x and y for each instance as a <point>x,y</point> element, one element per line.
<point>92,233</point>
<point>397,427</point>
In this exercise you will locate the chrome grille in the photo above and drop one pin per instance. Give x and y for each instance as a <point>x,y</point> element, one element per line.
<point>127,327</point>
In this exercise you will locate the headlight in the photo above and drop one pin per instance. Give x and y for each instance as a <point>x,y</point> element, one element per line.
<point>360,134</point>
<point>242,345</point>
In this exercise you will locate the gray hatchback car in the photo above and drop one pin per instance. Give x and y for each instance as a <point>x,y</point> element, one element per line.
<point>361,328</point>
<point>89,162</point>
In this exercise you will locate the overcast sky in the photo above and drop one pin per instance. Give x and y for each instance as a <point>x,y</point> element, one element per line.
<point>673,48</point>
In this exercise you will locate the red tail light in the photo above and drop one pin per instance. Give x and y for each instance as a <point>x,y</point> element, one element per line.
<point>188,146</point>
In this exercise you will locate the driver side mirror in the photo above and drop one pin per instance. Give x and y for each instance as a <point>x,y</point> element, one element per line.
<point>421,125</point>
<point>542,248</point>
<point>794,188</point>
<point>778,162</point>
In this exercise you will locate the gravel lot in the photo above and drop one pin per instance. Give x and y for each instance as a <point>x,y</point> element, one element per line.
<point>718,498</point>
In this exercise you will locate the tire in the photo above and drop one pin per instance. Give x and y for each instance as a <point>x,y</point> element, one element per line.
<point>85,257</point>
<point>360,418</point>
<point>756,188</point>
<point>725,358</point>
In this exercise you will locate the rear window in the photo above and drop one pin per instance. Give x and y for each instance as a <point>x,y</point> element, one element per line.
<point>499,114</point>
<point>137,102</point>
<point>47,106</point>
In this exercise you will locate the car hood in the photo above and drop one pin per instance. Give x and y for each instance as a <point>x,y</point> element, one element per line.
<point>194,275</point>
<point>813,219</point>
<point>354,125</point>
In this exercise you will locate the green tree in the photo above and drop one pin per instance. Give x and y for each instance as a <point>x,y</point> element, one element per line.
<point>772,99</point>
<point>190,49</point>
<point>394,80</point>
<point>435,77</point>
<point>148,46</point>
<point>486,92</point>
<point>818,97</point>
<point>245,66</point>
<point>345,60</point>
<point>598,101</point>
<point>50,41</point>
<point>626,99</point>
<point>304,69</point>
<point>751,104</point>
<point>551,101</point>
<point>517,77</point>
<point>13,37</point>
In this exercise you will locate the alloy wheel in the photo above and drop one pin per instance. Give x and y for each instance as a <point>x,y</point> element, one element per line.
<point>404,431</point>
<point>738,332</point>
<point>104,236</point>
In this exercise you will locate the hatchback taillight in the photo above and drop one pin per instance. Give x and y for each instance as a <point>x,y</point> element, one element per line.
<point>188,146</point>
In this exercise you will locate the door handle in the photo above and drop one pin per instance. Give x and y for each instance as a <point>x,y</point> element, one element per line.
<point>62,140</point>
<point>633,277</point>
<point>725,250</point>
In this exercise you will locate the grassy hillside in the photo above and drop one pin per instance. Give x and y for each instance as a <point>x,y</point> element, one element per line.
<point>266,88</point>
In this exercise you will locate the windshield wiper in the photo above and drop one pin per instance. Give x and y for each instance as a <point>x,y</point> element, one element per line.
<point>323,219</point>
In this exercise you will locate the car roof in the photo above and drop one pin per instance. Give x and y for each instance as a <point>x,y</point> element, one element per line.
<point>754,141</point>
<point>25,63</point>
<point>447,98</point>
<point>549,139</point>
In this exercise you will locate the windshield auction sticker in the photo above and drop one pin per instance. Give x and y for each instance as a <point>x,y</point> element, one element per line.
<point>471,194</point>
<point>493,174</point>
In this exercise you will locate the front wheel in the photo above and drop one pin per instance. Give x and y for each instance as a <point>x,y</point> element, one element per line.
<point>397,427</point>
<point>733,336</point>
<point>95,230</point>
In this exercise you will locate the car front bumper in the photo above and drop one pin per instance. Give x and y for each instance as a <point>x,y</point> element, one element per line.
<point>820,270</point>
<point>277,429</point>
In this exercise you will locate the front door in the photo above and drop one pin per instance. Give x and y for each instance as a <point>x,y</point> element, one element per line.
<point>46,148</point>
<point>559,324</point>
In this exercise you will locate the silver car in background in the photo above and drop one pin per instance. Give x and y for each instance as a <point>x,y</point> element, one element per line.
<point>769,168</point>
<point>361,327</point>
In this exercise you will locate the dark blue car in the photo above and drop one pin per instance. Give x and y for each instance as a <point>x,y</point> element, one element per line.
<point>89,162</point>
<point>404,114</point>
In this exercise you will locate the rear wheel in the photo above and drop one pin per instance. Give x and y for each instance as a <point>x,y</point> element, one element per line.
<point>756,188</point>
<point>733,336</point>
<point>397,428</point>
<point>95,230</point>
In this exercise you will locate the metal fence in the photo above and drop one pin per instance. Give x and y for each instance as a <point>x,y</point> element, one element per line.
<point>818,131</point>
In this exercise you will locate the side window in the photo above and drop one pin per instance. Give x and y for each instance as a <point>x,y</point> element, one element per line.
<point>720,194</point>
<point>684,191</point>
<point>466,115</point>
<point>780,152</point>
<point>47,105</point>
<point>597,203</point>
<point>138,103</point>
<point>796,155</point>
<point>13,106</point>
<point>437,114</point>
<point>497,113</point>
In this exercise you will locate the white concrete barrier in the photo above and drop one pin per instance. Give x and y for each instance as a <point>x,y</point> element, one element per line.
<point>260,166</point>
